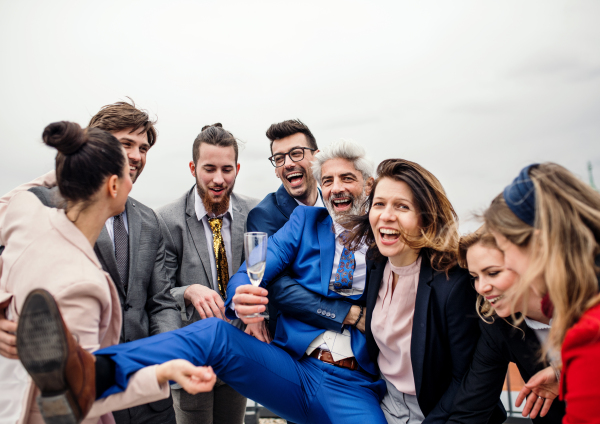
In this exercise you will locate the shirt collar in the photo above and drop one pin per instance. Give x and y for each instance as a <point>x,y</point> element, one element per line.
<point>536,325</point>
<point>201,210</point>
<point>318,204</point>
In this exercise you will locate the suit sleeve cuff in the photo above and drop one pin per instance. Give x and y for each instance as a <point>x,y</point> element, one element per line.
<point>186,311</point>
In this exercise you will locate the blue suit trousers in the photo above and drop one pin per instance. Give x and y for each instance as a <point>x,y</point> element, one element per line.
<point>303,391</point>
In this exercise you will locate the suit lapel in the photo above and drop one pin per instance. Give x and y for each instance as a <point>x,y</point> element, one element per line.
<point>237,233</point>
<point>196,230</point>
<point>419,331</point>
<point>134,224</point>
<point>106,253</point>
<point>327,251</point>
<point>285,203</point>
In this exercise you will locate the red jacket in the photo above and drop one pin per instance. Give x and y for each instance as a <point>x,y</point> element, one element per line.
<point>580,382</point>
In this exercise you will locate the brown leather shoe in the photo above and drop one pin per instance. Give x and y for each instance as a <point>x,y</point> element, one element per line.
<point>60,368</point>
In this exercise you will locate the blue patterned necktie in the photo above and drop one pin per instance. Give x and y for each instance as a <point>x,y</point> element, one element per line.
<point>345,271</point>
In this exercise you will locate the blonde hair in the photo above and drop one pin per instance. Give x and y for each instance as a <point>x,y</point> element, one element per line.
<point>482,237</point>
<point>562,244</point>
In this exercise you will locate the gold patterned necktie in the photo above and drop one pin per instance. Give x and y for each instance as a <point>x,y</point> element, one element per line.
<point>220,257</point>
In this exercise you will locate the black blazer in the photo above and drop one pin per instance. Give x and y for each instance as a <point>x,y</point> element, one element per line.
<point>500,343</point>
<point>444,335</point>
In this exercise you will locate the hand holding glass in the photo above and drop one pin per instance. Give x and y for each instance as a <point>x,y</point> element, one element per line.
<point>255,249</point>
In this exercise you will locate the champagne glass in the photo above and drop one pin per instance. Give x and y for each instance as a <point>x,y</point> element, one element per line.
<point>255,249</point>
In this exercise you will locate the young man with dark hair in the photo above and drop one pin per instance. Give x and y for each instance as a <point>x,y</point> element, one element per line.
<point>205,229</point>
<point>131,249</point>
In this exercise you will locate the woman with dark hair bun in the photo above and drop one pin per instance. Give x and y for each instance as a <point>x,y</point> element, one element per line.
<point>49,254</point>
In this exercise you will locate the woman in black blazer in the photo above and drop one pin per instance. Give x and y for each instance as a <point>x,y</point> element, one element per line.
<point>410,221</point>
<point>502,341</point>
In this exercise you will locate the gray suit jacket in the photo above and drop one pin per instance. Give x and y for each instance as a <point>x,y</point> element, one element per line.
<point>188,259</point>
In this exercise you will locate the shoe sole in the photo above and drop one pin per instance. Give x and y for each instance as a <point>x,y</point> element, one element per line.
<point>43,350</point>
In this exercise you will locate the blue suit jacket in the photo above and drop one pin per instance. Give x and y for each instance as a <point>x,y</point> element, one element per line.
<point>269,216</point>
<point>305,248</point>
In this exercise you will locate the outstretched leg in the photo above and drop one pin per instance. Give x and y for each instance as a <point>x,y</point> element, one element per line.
<point>257,370</point>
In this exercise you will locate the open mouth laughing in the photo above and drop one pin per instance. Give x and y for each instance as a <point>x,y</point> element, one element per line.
<point>295,178</point>
<point>494,299</point>
<point>389,235</point>
<point>342,203</point>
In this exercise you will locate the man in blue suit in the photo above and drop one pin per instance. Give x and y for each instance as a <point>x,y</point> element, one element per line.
<point>293,147</point>
<point>307,374</point>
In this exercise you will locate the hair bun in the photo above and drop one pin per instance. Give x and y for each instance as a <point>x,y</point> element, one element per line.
<point>66,137</point>
<point>218,124</point>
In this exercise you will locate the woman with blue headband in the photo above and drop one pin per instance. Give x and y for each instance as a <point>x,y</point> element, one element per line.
<point>547,223</point>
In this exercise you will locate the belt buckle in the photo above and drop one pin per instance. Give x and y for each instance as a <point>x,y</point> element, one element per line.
<point>319,354</point>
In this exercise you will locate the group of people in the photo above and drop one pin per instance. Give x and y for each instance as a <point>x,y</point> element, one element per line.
<point>378,310</point>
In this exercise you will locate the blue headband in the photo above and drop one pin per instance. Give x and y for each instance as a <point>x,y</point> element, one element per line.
<point>520,196</point>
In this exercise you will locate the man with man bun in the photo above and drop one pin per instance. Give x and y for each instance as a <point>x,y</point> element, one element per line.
<point>205,232</point>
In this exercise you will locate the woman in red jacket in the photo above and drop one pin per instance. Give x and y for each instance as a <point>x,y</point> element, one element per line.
<point>547,222</point>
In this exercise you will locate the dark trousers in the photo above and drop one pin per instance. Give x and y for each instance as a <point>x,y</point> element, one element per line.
<point>305,390</point>
<point>159,412</point>
<point>222,405</point>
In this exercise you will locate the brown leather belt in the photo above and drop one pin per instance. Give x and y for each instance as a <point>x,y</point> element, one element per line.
<point>325,356</point>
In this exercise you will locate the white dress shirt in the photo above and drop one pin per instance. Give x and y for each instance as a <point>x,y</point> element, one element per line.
<point>318,204</point>
<point>340,344</point>
<point>111,229</point>
<point>540,329</point>
<point>203,217</point>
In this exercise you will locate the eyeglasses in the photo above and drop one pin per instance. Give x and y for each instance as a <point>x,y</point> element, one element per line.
<point>296,155</point>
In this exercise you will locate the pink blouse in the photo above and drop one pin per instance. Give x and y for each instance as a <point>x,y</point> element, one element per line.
<point>392,324</point>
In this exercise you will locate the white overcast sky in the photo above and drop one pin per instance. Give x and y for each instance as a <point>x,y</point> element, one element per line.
<point>471,90</point>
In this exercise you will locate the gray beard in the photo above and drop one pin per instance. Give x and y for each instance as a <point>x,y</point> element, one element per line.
<point>356,208</point>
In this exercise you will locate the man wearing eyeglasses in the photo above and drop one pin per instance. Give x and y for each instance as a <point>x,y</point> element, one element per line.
<point>293,147</point>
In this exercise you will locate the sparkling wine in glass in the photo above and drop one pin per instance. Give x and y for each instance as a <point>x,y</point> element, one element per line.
<point>255,248</point>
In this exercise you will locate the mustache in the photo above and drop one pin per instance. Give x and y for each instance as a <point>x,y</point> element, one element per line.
<point>342,196</point>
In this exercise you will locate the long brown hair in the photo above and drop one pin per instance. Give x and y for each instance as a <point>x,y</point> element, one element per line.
<point>562,244</point>
<point>438,237</point>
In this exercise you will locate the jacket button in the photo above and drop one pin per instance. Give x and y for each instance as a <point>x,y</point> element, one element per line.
<point>328,314</point>
<point>127,307</point>
<point>323,312</point>
<point>318,311</point>
<point>332,316</point>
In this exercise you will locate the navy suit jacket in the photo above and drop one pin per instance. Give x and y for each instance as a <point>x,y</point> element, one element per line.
<point>305,248</point>
<point>272,212</point>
